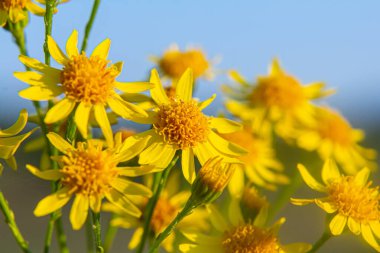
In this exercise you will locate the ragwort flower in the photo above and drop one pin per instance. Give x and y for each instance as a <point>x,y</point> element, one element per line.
<point>90,174</point>
<point>350,198</point>
<point>88,85</point>
<point>14,10</point>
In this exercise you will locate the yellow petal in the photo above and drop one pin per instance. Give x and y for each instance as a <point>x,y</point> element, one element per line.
<point>375,226</point>
<point>95,203</point>
<point>3,21</point>
<point>297,247</point>
<point>127,187</point>
<point>327,206</point>
<point>134,145</point>
<point>102,119</point>
<point>16,127</point>
<point>236,184</point>
<point>158,154</point>
<point>330,171</point>
<point>9,145</point>
<point>79,211</point>
<point>353,225</point>
<point>52,175</point>
<point>275,68</point>
<point>16,15</point>
<point>37,93</point>
<point>225,146</point>
<point>133,87</point>
<point>11,162</point>
<point>202,105</point>
<point>52,202</point>
<point>368,236</point>
<point>184,89</point>
<point>118,66</point>
<point>234,212</point>
<point>138,171</point>
<point>158,93</point>
<point>81,117</point>
<point>125,109</point>
<point>60,143</point>
<point>72,45</point>
<point>136,238</point>
<point>217,219</point>
<point>37,79</point>
<point>188,167</point>
<point>60,111</point>
<point>36,64</point>
<point>56,52</point>
<point>337,224</point>
<point>102,49</point>
<point>309,179</point>
<point>301,202</point>
<point>224,126</point>
<point>361,177</point>
<point>35,9</point>
<point>237,77</point>
<point>123,202</point>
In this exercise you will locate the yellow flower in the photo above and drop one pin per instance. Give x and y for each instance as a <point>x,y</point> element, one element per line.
<point>174,63</point>
<point>88,84</point>
<point>90,173</point>
<point>14,10</point>
<point>350,197</point>
<point>259,163</point>
<point>234,234</point>
<point>278,99</point>
<point>170,202</point>
<point>179,124</point>
<point>333,137</point>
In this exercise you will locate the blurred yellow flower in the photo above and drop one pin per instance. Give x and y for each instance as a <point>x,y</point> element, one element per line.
<point>350,197</point>
<point>179,124</point>
<point>278,99</point>
<point>90,173</point>
<point>14,10</point>
<point>333,137</point>
<point>88,85</point>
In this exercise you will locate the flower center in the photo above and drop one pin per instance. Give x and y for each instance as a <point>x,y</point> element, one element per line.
<point>163,214</point>
<point>90,80</point>
<point>282,91</point>
<point>175,63</point>
<point>332,126</point>
<point>358,202</point>
<point>8,4</point>
<point>182,124</point>
<point>88,170</point>
<point>250,239</point>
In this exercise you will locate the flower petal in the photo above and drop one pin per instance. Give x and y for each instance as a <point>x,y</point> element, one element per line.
<point>60,143</point>
<point>52,202</point>
<point>188,166</point>
<point>184,88</point>
<point>202,105</point>
<point>225,126</point>
<point>123,202</point>
<point>368,236</point>
<point>125,109</point>
<point>158,94</point>
<point>327,206</point>
<point>224,146</point>
<point>102,49</point>
<point>56,52</point>
<point>72,45</point>
<point>52,175</point>
<point>301,202</point>
<point>353,225</point>
<point>79,211</point>
<point>133,87</point>
<point>102,119</point>
<point>236,184</point>
<point>337,224</point>
<point>17,126</point>
<point>60,111</point>
<point>309,179</point>
<point>330,171</point>
<point>81,117</point>
<point>127,187</point>
<point>158,154</point>
<point>39,93</point>
<point>217,219</point>
<point>361,177</point>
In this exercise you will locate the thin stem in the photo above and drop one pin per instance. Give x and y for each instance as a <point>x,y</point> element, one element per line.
<point>48,19</point>
<point>97,232</point>
<point>89,237</point>
<point>89,24</point>
<point>61,236</point>
<point>10,220</point>
<point>110,236</point>
<point>157,188</point>
<point>322,240</point>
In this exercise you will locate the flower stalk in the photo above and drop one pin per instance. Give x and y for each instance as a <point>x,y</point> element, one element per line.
<point>89,24</point>
<point>97,232</point>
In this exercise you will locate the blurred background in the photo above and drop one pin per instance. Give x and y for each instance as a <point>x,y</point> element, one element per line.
<point>337,42</point>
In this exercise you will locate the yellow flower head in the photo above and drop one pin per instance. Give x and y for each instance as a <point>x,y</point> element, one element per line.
<point>333,137</point>
<point>179,124</point>
<point>90,173</point>
<point>259,163</point>
<point>10,141</point>
<point>237,235</point>
<point>351,198</point>
<point>87,82</point>
<point>14,10</point>
<point>275,99</point>
<point>174,63</point>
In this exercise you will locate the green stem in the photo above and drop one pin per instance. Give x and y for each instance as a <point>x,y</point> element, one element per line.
<point>322,240</point>
<point>89,24</point>
<point>158,185</point>
<point>48,19</point>
<point>10,220</point>
<point>110,236</point>
<point>61,236</point>
<point>89,237</point>
<point>97,232</point>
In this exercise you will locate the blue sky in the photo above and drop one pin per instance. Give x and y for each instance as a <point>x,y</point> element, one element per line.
<point>333,41</point>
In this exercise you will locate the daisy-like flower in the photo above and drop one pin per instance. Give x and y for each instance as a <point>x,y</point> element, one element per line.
<point>14,10</point>
<point>88,85</point>
<point>10,141</point>
<point>333,137</point>
<point>174,62</point>
<point>234,234</point>
<point>90,174</point>
<point>350,198</point>
<point>169,204</point>
<point>278,99</point>
<point>259,163</point>
<point>179,124</point>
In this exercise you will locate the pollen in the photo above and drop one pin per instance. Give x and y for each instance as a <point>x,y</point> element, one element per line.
<point>334,127</point>
<point>174,63</point>
<point>163,214</point>
<point>88,79</point>
<point>9,4</point>
<point>282,91</point>
<point>352,200</point>
<point>250,239</point>
<point>182,124</point>
<point>88,170</point>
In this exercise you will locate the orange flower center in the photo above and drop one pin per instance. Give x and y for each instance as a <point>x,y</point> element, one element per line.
<point>352,200</point>
<point>282,91</point>
<point>182,124</point>
<point>174,63</point>
<point>335,128</point>
<point>10,4</point>
<point>250,239</point>
<point>163,214</point>
<point>88,170</point>
<point>90,80</point>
